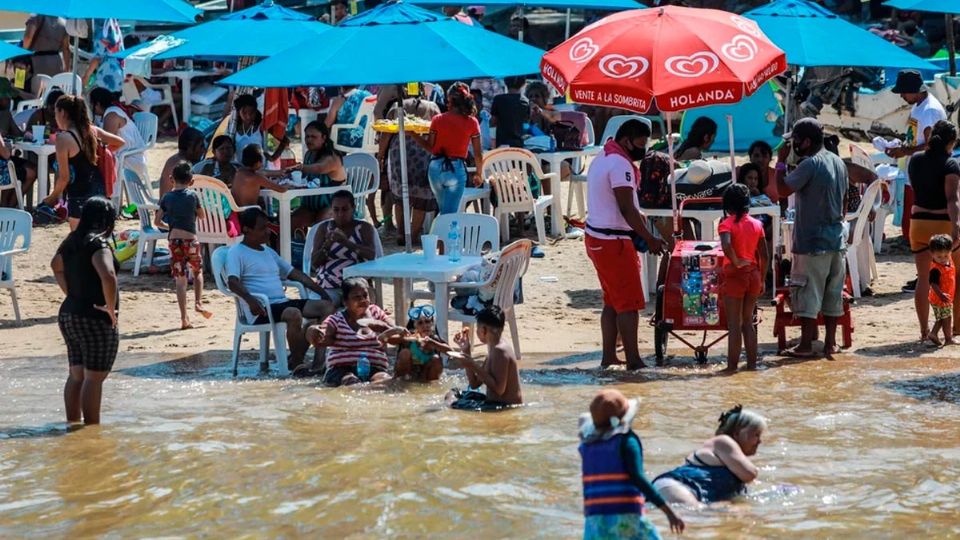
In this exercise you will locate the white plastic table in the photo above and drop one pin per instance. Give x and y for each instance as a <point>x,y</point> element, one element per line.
<point>285,199</point>
<point>43,151</point>
<point>709,218</point>
<point>407,266</point>
<point>555,160</point>
<point>186,76</point>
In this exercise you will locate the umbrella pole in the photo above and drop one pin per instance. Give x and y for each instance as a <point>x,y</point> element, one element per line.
<point>73,69</point>
<point>787,103</point>
<point>733,157</point>
<point>951,45</point>
<point>404,187</point>
<point>566,33</point>
<point>520,9</point>
<point>673,180</point>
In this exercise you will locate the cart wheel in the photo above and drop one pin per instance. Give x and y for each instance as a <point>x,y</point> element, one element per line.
<point>700,355</point>
<point>660,344</point>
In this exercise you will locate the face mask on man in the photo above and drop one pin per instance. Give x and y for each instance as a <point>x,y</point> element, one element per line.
<point>636,153</point>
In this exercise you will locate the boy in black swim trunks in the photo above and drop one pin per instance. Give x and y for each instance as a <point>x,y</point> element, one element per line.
<point>499,372</point>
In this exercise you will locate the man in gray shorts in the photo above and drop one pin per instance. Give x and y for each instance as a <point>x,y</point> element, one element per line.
<point>818,272</point>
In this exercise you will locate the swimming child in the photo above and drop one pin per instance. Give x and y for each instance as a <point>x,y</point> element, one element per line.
<point>721,468</point>
<point>180,208</point>
<point>615,487</point>
<point>744,268</point>
<point>351,334</point>
<point>943,275</point>
<point>499,372</point>
<point>419,349</point>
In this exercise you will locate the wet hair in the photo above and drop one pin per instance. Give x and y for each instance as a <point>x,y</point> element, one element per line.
<point>701,129</point>
<point>103,97</point>
<point>491,316</point>
<point>632,129</point>
<point>762,146</point>
<point>349,284</point>
<point>220,140</point>
<point>941,136</point>
<point>346,195</point>
<point>52,97</point>
<point>736,200</point>
<point>738,419</point>
<point>460,100</point>
<point>97,219</point>
<point>940,243</point>
<point>249,217</point>
<point>761,175</point>
<point>76,110</point>
<point>515,82</point>
<point>189,138</point>
<point>244,100</point>
<point>252,154</point>
<point>182,173</point>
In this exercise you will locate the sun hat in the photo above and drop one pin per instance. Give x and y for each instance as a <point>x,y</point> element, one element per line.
<point>699,170</point>
<point>909,81</point>
<point>611,413</point>
<point>859,166</point>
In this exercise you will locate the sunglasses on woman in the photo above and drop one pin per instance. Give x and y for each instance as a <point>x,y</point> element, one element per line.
<point>421,312</point>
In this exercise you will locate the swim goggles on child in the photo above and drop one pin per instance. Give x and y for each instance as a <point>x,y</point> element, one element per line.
<point>421,312</point>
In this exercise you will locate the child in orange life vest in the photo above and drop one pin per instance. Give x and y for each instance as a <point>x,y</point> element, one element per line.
<point>943,276</point>
<point>614,485</point>
<point>744,268</point>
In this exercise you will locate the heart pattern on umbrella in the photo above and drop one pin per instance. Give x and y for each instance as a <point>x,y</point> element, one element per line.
<point>583,50</point>
<point>747,26</point>
<point>618,66</point>
<point>740,49</point>
<point>695,65</point>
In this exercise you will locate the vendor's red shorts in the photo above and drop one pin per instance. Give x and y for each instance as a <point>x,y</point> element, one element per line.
<point>740,282</point>
<point>618,268</point>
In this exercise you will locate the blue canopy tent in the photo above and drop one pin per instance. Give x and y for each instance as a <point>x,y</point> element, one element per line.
<point>259,31</point>
<point>755,116</point>
<point>386,45</point>
<point>8,51</point>
<point>604,5</point>
<point>176,11</point>
<point>948,7</point>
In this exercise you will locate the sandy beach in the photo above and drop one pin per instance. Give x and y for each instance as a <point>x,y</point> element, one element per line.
<point>559,317</point>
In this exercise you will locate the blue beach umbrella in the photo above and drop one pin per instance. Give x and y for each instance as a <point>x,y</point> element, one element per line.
<point>934,6</point>
<point>394,43</point>
<point>176,11</point>
<point>259,31</point>
<point>8,51</point>
<point>811,35</point>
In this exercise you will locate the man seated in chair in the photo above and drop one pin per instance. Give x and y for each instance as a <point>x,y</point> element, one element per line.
<point>253,268</point>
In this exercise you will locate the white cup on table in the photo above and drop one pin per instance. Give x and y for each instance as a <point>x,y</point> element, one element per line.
<point>429,242</point>
<point>38,133</point>
<point>296,176</point>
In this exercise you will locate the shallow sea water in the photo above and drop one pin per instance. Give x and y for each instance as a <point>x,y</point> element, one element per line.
<point>857,448</point>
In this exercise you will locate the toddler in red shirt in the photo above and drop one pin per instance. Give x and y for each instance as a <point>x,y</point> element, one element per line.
<point>744,268</point>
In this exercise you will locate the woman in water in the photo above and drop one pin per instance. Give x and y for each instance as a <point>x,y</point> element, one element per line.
<point>721,468</point>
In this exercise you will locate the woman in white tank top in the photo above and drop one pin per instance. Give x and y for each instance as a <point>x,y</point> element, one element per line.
<point>114,119</point>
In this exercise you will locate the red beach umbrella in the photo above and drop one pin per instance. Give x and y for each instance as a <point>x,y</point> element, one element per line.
<point>679,57</point>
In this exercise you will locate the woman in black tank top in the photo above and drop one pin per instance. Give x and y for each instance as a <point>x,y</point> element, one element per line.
<point>77,173</point>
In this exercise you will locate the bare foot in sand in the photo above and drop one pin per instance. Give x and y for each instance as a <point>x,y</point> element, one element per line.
<point>186,324</point>
<point>206,314</point>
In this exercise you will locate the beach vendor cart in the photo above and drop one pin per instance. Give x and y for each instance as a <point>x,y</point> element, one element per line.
<point>684,58</point>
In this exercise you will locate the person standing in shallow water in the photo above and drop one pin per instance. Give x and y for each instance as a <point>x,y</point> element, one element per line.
<point>86,272</point>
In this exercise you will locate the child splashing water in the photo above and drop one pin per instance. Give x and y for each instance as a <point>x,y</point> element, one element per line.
<point>420,346</point>
<point>942,288</point>
<point>614,484</point>
<point>498,372</point>
<point>744,268</point>
<point>181,209</point>
<point>351,335</point>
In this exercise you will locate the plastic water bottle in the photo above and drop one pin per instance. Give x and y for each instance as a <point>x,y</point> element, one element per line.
<point>453,242</point>
<point>363,367</point>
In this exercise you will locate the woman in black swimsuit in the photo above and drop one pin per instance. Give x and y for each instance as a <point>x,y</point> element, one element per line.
<point>77,173</point>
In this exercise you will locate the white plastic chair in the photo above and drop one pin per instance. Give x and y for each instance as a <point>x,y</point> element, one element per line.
<point>145,203</point>
<point>477,231</point>
<point>14,184</point>
<point>507,169</point>
<point>147,123</point>
<point>215,197</point>
<point>307,267</point>
<point>14,225</point>
<point>880,218</point>
<point>504,277</point>
<point>369,144</point>
<point>244,326</point>
<point>131,93</point>
<point>860,257</point>
<point>42,82</point>
<point>363,178</point>
<point>578,179</point>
